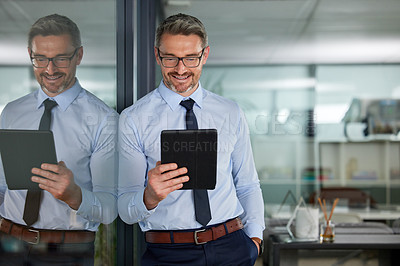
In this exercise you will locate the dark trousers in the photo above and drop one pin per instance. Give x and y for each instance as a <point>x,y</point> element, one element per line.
<point>233,249</point>
<point>19,253</point>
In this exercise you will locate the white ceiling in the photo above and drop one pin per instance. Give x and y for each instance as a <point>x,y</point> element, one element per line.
<point>95,19</point>
<point>298,31</point>
<point>250,32</point>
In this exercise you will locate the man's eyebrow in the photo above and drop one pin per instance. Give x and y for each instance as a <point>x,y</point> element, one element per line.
<point>167,54</point>
<point>195,55</point>
<point>188,55</point>
<point>35,54</point>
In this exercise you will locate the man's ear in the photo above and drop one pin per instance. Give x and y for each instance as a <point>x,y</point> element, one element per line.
<point>205,54</point>
<point>156,55</point>
<point>80,55</point>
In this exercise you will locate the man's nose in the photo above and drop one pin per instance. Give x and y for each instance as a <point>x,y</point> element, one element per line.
<point>181,68</point>
<point>51,68</point>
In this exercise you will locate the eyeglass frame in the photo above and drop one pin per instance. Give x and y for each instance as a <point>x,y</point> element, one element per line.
<point>180,59</point>
<point>52,59</point>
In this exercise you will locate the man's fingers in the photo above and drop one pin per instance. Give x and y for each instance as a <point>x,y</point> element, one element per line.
<point>170,186</point>
<point>43,181</point>
<point>56,168</point>
<point>177,181</point>
<point>173,188</point>
<point>161,168</point>
<point>43,173</point>
<point>172,174</point>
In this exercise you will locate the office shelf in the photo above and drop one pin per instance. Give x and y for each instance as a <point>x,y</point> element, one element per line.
<point>369,165</point>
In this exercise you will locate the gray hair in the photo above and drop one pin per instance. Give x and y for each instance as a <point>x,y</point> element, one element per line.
<point>55,25</point>
<point>181,24</point>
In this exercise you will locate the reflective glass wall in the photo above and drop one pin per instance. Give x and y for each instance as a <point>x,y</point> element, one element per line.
<point>293,110</point>
<point>281,102</point>
<point>96,20</point>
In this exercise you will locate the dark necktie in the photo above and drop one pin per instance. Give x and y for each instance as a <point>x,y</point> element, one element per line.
<point>201,202</point>
<point>32,201</point>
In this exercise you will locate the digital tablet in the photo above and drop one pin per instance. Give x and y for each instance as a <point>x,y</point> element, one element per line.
<point>194,149</point>
<point>22,150</point>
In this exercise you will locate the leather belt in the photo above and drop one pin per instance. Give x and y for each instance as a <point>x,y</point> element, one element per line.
<point>198,237</point>
<point>36,236</point>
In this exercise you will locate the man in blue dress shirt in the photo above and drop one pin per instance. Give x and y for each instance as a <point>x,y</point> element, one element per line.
<point>79,192</point>
<point>148,191</point>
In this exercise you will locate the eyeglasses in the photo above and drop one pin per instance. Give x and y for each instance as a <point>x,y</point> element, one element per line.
<point>58,61</point>
<point>190,61</point>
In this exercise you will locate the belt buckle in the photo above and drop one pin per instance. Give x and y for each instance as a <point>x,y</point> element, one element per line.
<point>196,237</point>
<point>37,237</point>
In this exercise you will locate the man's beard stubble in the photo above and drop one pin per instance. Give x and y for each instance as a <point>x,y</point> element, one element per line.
<point>174,89</point>
<point>60,89</point>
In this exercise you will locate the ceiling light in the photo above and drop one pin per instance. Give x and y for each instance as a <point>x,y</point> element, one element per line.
<point>180,3</point>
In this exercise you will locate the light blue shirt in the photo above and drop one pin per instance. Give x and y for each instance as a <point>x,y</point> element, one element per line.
<point>237,191</point>
<point>85,133</point>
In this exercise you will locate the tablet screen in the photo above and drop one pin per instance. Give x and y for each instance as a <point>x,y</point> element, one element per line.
<point>22,150</point>
<point>194,149</point>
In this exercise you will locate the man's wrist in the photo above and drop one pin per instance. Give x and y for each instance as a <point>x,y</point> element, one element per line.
<point>260,243</point>
<point>148,203</point>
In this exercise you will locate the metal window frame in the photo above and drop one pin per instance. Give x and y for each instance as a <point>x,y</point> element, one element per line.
<point>136,24</point>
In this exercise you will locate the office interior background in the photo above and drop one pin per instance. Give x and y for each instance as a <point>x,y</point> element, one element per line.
<point>296,67</point>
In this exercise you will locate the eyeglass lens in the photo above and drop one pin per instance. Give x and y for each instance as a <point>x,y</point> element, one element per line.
<point>57,61</point>
<point>61,61</point>
<point>187,61</point>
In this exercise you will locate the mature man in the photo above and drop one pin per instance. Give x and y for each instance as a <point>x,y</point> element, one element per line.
<point>222,226</point>
<point>79,192</point>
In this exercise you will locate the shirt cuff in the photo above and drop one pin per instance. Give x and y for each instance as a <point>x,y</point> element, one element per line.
<point>90,207</point>
<point>254,230</point>
<point>137,204</point>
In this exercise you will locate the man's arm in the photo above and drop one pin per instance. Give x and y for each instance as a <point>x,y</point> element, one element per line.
<point>100,204</point>
<point>3,184</point>
<point>137,196</point>
<point>247,182</point>
<point>162,181</point>
<point>59,181</point>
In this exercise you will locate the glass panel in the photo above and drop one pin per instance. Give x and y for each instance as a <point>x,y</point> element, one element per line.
<point>278,102</point>
<point>15,83</point>
<point>101,81</point>
<point>339,84</point>
<point>370,166</point>
<point>97,73</point>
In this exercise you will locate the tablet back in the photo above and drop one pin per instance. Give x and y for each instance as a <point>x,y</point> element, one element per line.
<point>194,149</point>
<point>21,150</point>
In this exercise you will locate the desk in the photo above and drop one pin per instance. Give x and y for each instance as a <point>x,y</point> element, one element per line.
<point>381,213</point>
<point>375,214</point>
<point>385,243</point>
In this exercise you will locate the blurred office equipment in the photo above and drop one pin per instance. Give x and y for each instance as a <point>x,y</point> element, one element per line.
<point>380,116</point>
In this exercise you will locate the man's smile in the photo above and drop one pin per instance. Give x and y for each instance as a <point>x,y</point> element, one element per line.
<point>53,77</point>
<point>181,77</point>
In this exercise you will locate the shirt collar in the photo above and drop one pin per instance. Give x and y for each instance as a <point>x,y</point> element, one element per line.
<point>174,99</point>
<point>63,99</point>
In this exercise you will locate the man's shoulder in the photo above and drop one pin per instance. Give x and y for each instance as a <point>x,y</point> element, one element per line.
<point>144,104</point>
<point>95,103</point>
<point>220,101</point>
<point>25,100</point>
